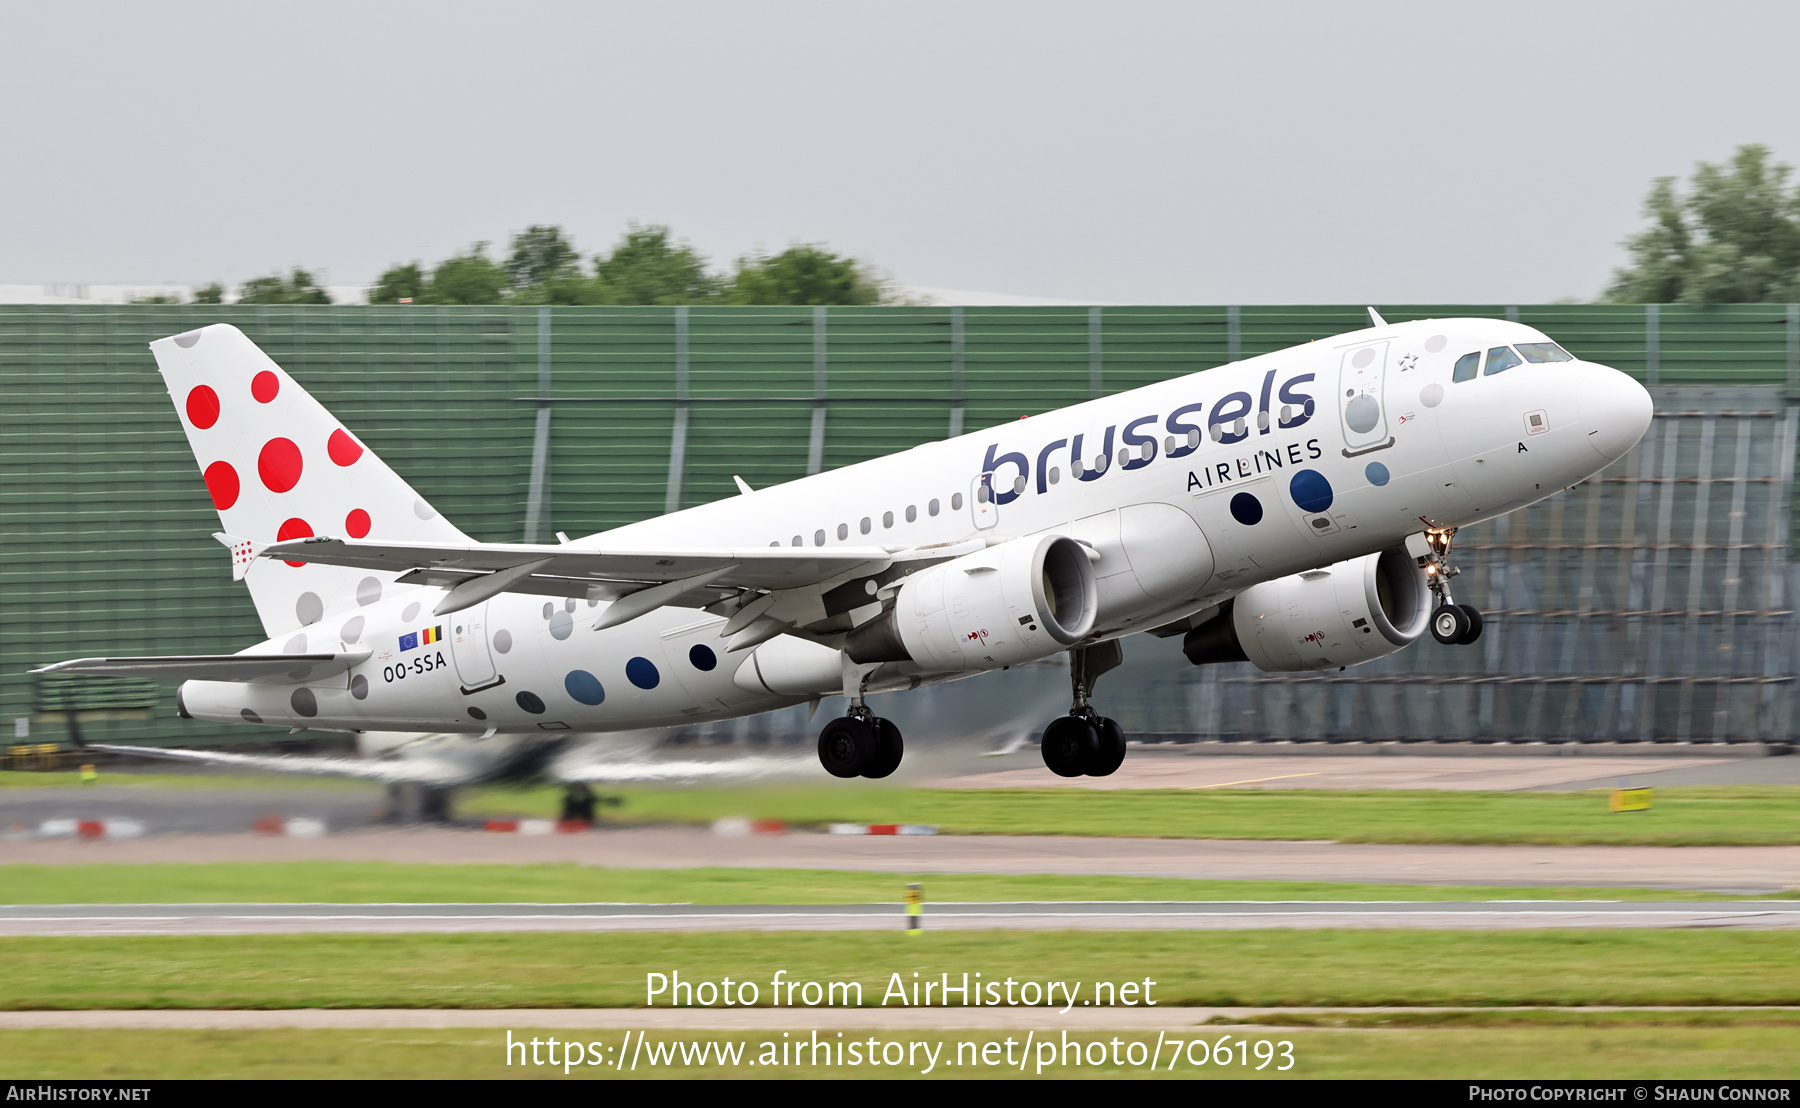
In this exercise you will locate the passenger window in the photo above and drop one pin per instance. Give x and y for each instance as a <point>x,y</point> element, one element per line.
<point>843,531</point>
<point>912,513</point>
<point>866,525</point>
<point>797,541</point>
<point>1466,367</point>
<point>1500,359</point>
<point>956,502</point>
<point>1538,353</point>
<point>1055,474</point>
<point>887,519</point>
<point>818,538</point>
<point>932,507</point>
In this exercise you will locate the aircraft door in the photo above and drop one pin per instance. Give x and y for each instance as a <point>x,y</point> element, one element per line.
<point>981,502</point>
<point>469,646</point>
<point>1362,405</point>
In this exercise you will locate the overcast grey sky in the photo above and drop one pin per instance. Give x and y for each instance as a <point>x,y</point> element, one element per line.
<point>1119,152</point>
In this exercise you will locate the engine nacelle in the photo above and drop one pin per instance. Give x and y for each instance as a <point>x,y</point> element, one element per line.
<point>1343,615</point>
<point>1015,602</point>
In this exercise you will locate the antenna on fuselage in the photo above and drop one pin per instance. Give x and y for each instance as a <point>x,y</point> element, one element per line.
<point>744,488</point>
<point>1375,319</point>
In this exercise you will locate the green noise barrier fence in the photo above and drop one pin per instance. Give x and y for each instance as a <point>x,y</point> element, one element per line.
<point>518,422</point>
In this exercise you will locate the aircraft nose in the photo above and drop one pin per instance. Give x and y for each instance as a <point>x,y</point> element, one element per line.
<point>1615,410</point>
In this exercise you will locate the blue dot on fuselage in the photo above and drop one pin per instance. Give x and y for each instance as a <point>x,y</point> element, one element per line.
<point>1376,473</point>
<point>1310,490</point>
<point>702,657</point>
<point>584,687</point>
<point>1246,509</point>
<point>642,673</point>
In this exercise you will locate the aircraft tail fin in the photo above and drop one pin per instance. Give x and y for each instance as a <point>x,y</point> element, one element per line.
<point>279,466</point>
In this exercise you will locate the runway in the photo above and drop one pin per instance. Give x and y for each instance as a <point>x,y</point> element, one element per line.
<point>253,919</point>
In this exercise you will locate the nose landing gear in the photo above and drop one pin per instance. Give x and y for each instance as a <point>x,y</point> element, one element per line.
<point>1452,624</point>
<point>1085,742</point>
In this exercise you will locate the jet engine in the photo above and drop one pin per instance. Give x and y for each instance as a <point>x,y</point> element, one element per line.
<point>1023,599</point>
<point>1345,614</point>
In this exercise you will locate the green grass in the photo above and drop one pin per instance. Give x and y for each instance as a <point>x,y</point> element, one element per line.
<point>394,882</point>
<point>1687,816</point>
<point>1352,968</point>
<point>1739,1052</point>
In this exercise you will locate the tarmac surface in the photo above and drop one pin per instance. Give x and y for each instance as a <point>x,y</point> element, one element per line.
<point>246,919</point>
<point>1751,870</point>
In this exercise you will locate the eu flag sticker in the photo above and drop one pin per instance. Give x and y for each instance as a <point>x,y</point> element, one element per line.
<point>409,642</point>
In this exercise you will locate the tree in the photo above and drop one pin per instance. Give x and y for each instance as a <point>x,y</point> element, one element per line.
<point>400,282</point>
<point>1733,238</point>
<point>803,275</point>
<point>647,268</point>
<point>541,254</point>
<point>156,298</point>
<point>210,294</point>
<point>298,288</point>
<point>471,278</point>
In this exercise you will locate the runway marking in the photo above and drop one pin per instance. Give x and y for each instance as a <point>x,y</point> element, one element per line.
<point>1253,780</point>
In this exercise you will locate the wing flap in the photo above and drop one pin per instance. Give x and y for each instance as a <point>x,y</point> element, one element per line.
<point>217,667</point>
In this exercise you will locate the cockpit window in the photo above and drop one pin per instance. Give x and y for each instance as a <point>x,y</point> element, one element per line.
<point>1500,359</point>
<point>1538,353</point>
<point>1466,366</point>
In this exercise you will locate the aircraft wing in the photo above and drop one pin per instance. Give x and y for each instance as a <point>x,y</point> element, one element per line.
<point>217,667</point>
<point>554,570</point>
<point>392,772</point>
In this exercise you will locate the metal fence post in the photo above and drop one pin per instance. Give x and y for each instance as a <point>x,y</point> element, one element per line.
<point>1096,380</point>
<point>815,444</point>
<point>537,500</point>
<point>956,372</point>
<point>1653,344</point>
<point>1234,333</point>
<point>678,436</point>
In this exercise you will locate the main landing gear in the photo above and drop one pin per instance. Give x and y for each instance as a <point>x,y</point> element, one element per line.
<point>1452,624</point>
<point>1085,742</point>
<point>860,744</point>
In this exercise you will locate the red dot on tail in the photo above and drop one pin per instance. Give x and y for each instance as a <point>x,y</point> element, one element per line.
<point>264,386</point>
<point>357,523</point>
<point>222,483</point>
<point>279,465</point>
<point>342,448</point>
<point>294,529</point>
<point>202,407</point>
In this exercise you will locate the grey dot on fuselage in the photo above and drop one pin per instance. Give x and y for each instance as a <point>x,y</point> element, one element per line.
<point>295,645</point>
<point>423,510</point>
<point>304,703</point>
<point>1362,414</point>
<point>503,640</point>
<point>359,687</point>
<point>368,591</point>
<point>1431,395</point>
<point>1363,357</point>
<point>410,612</point>
<point>352,629</point>
<point>186,341</point>
<point>1435,343</point>
<point>309,608</point>
<point>561,624</point>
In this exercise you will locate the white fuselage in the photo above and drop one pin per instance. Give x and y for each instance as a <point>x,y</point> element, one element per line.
<point>1188,491</point>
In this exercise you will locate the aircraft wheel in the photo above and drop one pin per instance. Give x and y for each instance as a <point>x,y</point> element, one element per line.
<point>1449,624</point>
<point>845,746</point>
<point>1070,746</point>
<point>888,749</point>
<point>1111,752</point>
<point>1474,631</point>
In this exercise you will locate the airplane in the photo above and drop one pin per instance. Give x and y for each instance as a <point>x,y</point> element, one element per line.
<point>1295,510</point>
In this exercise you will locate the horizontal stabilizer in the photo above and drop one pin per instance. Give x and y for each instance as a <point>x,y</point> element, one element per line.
<point>217,667</point>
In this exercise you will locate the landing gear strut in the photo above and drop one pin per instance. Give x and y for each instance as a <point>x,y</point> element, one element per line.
<point>1085,742</point>
<point>1452,624</point>
<point>861,743</point>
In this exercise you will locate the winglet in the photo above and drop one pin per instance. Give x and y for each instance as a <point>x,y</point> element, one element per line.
<point>243,553</point>
<point>1375,319</point>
